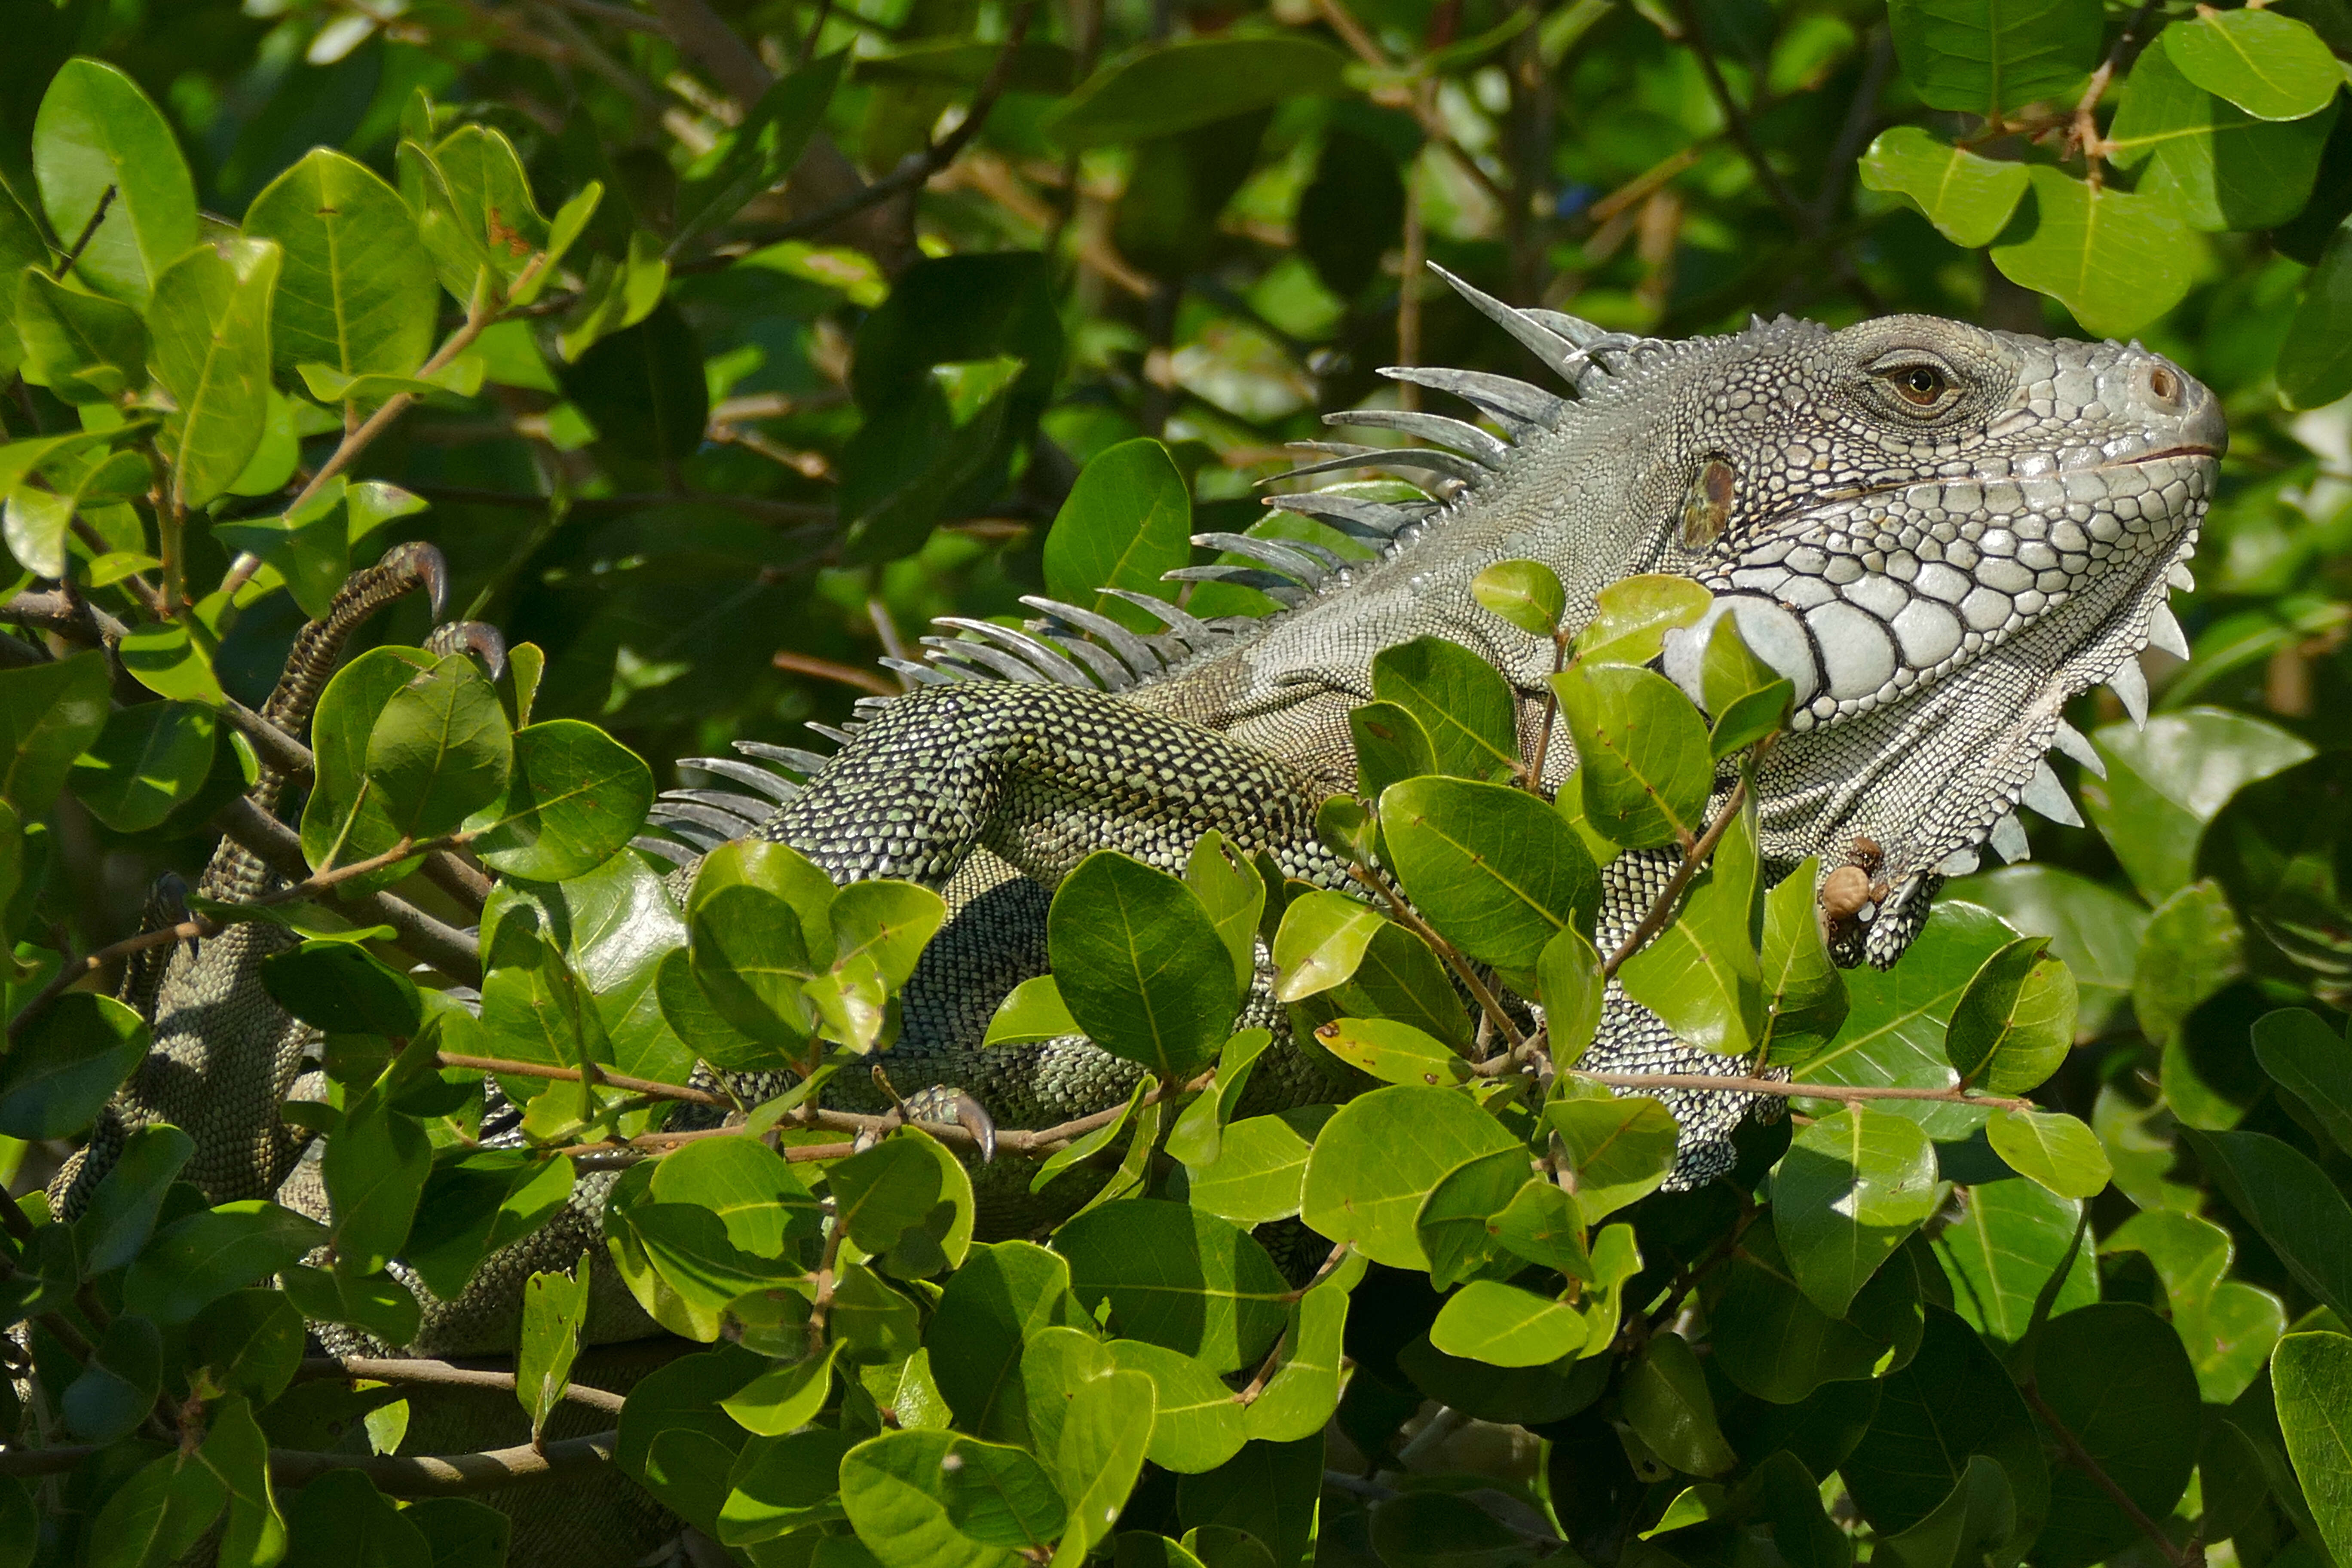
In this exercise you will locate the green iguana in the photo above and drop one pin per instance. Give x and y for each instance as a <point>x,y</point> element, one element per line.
<point>1938,533</point>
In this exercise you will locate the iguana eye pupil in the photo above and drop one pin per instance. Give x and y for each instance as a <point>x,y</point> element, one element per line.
<point>1922,384</point>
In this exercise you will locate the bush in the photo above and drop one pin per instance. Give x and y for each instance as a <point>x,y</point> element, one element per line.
<point>701,353</point>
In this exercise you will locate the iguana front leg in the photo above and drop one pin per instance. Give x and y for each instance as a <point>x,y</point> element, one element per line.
<point>1042,776</point>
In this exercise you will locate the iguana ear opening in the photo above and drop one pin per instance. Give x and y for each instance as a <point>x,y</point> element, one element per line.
<point>1707,505</point>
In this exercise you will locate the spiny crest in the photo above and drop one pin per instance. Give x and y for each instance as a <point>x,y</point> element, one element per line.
<point>1072,645</point>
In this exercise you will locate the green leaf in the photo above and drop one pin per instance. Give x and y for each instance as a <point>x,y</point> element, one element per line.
<point>2166,781</point>
<point>1177,1278</point>
<point>2015,1023</point>
<point>237,1455</point>
<point>1702,975</point>
<point>2314,361</point>
<point>1195,1423</point>
<point>1527,594</point>
<point>249,1342</point>
<point>1968,1526</point>
<point>121,1215</point>
<point>1967,198</point>
<point>157,1515</point>
<point>643,389</point>
<point>1665,1401</point>
<point>1006,1295</point>
<point>2058,1151</point>
<point>1953,1401</point>
<point>343,989</point>
<point>781,1483</point>
<point>1260,1172</point>
<point>66,1064</point>
<point>1503,1325</point>
<point>1493,869</point>
<point>201,1257</point>
<point>210,320</point>
<point>2116,1377</point>
<point>1642,750</point>
<point>163,657</point>
<point>574,797</point>
<point>1632,617</point>
<point>786,1396</point>
<point>678,1399</point>
<point>2222,168</point>
<point>96,132</point>
<point>690,1249</point>
<point>2227,1326</point>
<point>1300,1398</point>
<point>375,1166</point>
<point>747,1186</point>
<point>2312,1062</point>
<point>1233,893</point>
<point>1140,964</point>
<point>907,1197</point>
<point>341,1518</point>
<point>117,1389</point>
<point>1777,1345</point>
<point>440,749</point>
<point>2272,66</point>
<point>1987,56</point>
<point>555,1310</point>
<point>49,714</point>
<point>937,1499</point>
<point>1401,978</point>
<point>357,292</point>
<point>1570,981</point>
<point>1804,994</point>
<point>1390,746</point>
<point>1097,1454</point>
<point>1622,1148</point>
<point>1997,1256</point>
<point>84,347</point>
<point>1127,521</point>
<point>1462,702</point>
<point>2116,258</point>
<point>1453,1221</point>
<point>2092,928</point>
<point>1031,1011</point>
<point>1544,1226</point>
<point>341,808</point>
<point>478,211</point>
<point>149,760</point>
<point>1392,1052</point>
<point>760,150</point>
<point>1894,1031</point>
<point>1852,1189</point>
<point>1174,88</point>
<point>2292,1203</point>
<point>2312,1375</point>
<point>1375,1161</point>
<point>1321,940</point>
<point>2192,948</point>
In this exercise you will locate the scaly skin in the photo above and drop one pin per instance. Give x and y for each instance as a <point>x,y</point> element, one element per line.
<point>1940,534</point>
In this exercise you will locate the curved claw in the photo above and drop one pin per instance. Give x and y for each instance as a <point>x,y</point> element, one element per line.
<point>974,1119</point>
<point>479,639</point>
<point>426,566</point>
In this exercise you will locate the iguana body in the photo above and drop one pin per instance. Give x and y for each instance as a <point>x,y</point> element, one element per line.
<point>1940,534</point>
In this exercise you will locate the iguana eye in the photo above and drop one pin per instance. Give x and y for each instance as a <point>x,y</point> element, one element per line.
<point>1922,387</point>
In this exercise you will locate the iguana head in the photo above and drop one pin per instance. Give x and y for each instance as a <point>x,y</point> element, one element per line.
<point>1938,533</point>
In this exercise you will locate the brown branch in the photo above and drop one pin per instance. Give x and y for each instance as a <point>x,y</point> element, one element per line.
<point>89,232</point>
<point>571,1074</point>
<point>829,669</point>
<point>443,1374</point>
<point>1775,1087</point>
<point>1489,1004</point>
<point>1735,119</point>
<point>916,168</point>
<point>1027,1142</point>
<point>440,1475</point>
<point>2083,129</point>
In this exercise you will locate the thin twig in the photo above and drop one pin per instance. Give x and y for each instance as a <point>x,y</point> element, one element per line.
<point>2083,132</point>
<point>916,168</point>
<point>1407,916</point>
<point>89,232</point>
<point>1662,907</point>
<point>1735,119</point>
<point>648,1087</point>
<point>446,1475</point>
<point>2071,1448</point>
<point>847,675</point>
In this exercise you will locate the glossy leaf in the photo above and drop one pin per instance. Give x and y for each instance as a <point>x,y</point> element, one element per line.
<point>49,714</point>
<point>2221,167</point>
<point>1997,1256</point>
<point>1374,1163</point>
<point>1987,56</point>
<point>1643,752</point>
<point>1967,198</point>
<point>1665,1402</point>
<point>1503,1325</point>
<point>2117,259</point>
<point>1953,1401</point>
<point>1195,1423</point>
<point>2312,1375</point>
<point>1493,869</point>
<point>2116,1377</point>
<point>554,1310</point>
<point>1525,592</point>
<point>574,797</point>
<point>1140,964</point>
<point>1390,746</point>
<point>1702,975</point>
<point>1128,521</point>
<point>1321,940</point>
<point>1850,1189</point>
<point>2054,1150</point>
<point>441,749</point>
<point>149,760</point>
<point>2272,67</point>
<point>357,292</point>
<point>1804,994</point>
<point>204,1256</point>
<point>2015,1022</point>
<point>2164,782</point>
<point>1177,1278</point>
<point>96,132</point>
<point>937,1500</point>
<point>2312,1062</point>
<point>1620,1147</point>
<point>1462,704</point>
<point>210,321</point>
<point>67,1063</point>
<point>2292,1203</point>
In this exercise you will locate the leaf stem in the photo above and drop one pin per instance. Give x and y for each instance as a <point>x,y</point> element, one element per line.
<point>2071,1450</point>
<point>1406,916</point>
<point>1662,907</point>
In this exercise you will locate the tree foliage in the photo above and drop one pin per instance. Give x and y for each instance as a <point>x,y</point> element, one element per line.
<point>719,348</point>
